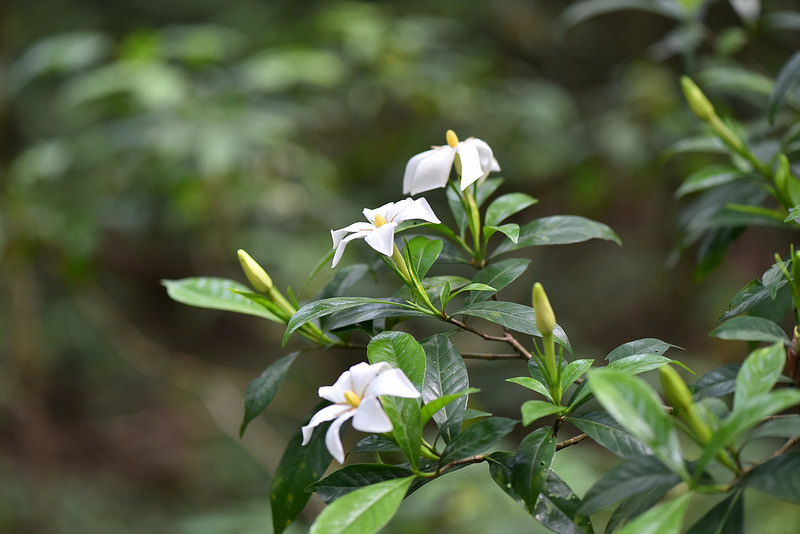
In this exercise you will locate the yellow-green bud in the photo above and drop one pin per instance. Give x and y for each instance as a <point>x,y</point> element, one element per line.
<point>257,276</point>
<point>696,99</point>
<point>678,395</point>
<point>545,318</point>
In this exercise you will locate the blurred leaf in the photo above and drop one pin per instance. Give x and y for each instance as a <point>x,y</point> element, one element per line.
<point>748,10</point>
<point>344,279</point>
<point>758,374</point>
<point>354,476</point>
<point>717,382</point>
<point>445,374</point>
<point>666,518</point>
<point>532,464</point>
<point>486,189</point>
<point>399,350</point>
<point>262,390</point>
<point>536,409</point>
<point>782,20</point>
<point>709,177</point>
<point>604,430</point>
<point>640,346</point>
<point>214,293</point>
<point>709,144</point>
<point>636,505</point>
<point>279,70</point>
<point>748,328</point>
<point>783,427</point>
<point>507,205</point>
<point>778,476</point>
<point>363,511</point>
<point>558,230</point>
<point>457,208</point>
<point>477,438</point>
<point>498,275</point>
<point>726,517</point>
<point>787,78</point>
<point>580,11</point>
<point>736,80</point>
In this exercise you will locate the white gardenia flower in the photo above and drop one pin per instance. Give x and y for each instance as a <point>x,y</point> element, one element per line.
<point>379,231</point>
<point>431,169</point>
<point>355,395</point>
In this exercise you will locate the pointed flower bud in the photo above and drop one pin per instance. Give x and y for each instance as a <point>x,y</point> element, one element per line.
<point>678,395</point>
<point>257,276</point>
<point>545,318</point>
<point>697,100</point>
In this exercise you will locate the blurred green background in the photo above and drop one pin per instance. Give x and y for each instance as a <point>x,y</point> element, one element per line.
<point>142,140</point>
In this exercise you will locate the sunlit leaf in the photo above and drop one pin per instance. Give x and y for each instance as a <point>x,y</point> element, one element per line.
<point>558,230</point>
<point>214,293</point>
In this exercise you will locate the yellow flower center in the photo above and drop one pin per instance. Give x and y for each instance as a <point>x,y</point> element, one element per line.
<point>380,220</point>
<point>452,138</point>
<point>352,399</point>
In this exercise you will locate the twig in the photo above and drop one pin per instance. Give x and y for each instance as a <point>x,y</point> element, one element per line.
<point>571,441</point>
<point>485,356</point>
<point>478,458</point>
<point>506,338</point>
<point>786,446</point>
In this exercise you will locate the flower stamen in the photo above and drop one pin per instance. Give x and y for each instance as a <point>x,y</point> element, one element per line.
<point>352,398</point>
<point>452,138</point>
<point>380,220</point>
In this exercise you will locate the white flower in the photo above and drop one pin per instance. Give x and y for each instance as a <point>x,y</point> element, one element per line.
<point>355,394</point>
<point>431,169</point>
<point>379,231</point>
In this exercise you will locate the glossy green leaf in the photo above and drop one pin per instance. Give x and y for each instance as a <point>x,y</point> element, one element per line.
<point>747,298</point>
<point>778,476</point>
<point>558,230</point>
<point>639,410</point>
<point>498,275</point>
<point>638,363</point>
<point>500,465</point>
<point>709,177</point>
<point>423,253</point>
<point>510,230</point>
<point>366,312</point>
<point>214,293</point>
<point>363,511</point>
<point>477,438</point>
<point>536,409</point>
<point>749,328</point>
<point>374,443</point>
<point>573,371</point>
<point>354,476</point>
<point>532,464</point>
<point>445,374</point>
<point>532,383</point>
<point>609,434</point>
<point>300,466</point>
<point>717,382</point>
<point>507,205</point>
<point>345,278</point>
<point>787,78</point>
<point>406,425</point>
<point>666,518</point>
<point>399,350</point>
<point>262,390</point>
<point>759,373</point>
<point>557,508</point>
<point>726,517</point>
<point>629,478</point>
<point>640,346</point>
<point>437,404</point>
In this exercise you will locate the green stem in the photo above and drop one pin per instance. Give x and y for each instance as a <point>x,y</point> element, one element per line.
<point>474,221</point>
<point>736,143</point>
<point>553,378</point>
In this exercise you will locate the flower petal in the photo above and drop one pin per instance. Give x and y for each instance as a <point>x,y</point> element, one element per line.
<point>411,170</point>
<point>432,171</point>
<point>383,210</point>
<point>488,163</point>
<point>370,417</point>
<point>335,393</point>
<point>343,243</point>
<point>471,170</point>
<point>338,235</point>
<point>332,439</point>
<point>361,374</point>
<point>417,209</point>
<point>326,414</point>
<point>392,382</point>
<point>382,239</point>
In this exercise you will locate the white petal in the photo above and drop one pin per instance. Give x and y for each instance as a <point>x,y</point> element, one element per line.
<point>488,163</point>
<point>363,373</point>
<point>471,170</point>
<point>392,382</point>
<point>343,243</point>
<point>338,235</point>
<point>382,239</point>
<point>370,417</point>
<point>411,170</point>
<point>326,414</point>
<point>397,207</point>
<point>432,171</point>
<point>332,439</point>
<point>417,209</point>
<point>383,210</point>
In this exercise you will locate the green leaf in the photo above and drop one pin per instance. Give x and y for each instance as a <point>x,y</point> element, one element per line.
<point>300,466</point>
<point>609,434</point>
<point>783,427</point>
<point>726,517</point>
<point>637,505</point>
<point>778,476</point>
<point>536,409</point>
<point>363,511</point>
<point>735,80</point>
<point>708,144</point>
<point>666,518</point>
<point>532,464</point>
<point>423,253</point>
<point>399,350</point>
<point>631,477</point>
<point>639,410</point>
<point>457,209</point>
<point>558,230</point>
<point>573,371</point>
<point>709,177</point>
<point>406,425</point>
<point>751,329</point>
<point>343,280</point>
<point>262,390</point>
<point>437,404</point>
<point>366,312</point>
<point>354,476</point>
<point>214,293</point>
<point>374,443</point>
<point>747,298</point>
<point>787,77</point>
<point>557,508</point>
<point>510,230</point>
<point>487,188</point>
<point>587,9</point>
<point>498,275</point>
<point>638,363</point>
<point>445,374</point>
<point>793,214</point>
<point>477,438</point>
<point>717,382</point>
<point>640,346</point>
<point>759,373</point>
<point>532,383</point>
<point>512,316</point>
<point>505,206</point>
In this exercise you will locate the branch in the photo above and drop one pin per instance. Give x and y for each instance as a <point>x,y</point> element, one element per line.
<point>786,446</point>
<point>485,356</point>
<point>478,458</point>
<point>507,337</point>
<point>571,441</point>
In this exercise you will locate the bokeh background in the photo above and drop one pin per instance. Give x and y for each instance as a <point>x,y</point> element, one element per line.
<point>142,140</point>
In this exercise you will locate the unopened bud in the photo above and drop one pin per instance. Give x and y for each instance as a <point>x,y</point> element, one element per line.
<point>257,276</point>
<point>545,318</point>
<point>678,395</point>
<point>696,99</point>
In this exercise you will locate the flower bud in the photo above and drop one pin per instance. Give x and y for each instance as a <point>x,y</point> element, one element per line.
<point>545,318</point>
<point>678,395</point>
<point>257,276</point>
<point>696,99</point>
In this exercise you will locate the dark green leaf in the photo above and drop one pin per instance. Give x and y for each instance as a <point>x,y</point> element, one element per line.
<point>498,275</point>
<point>300,466</point>
<point>640,346</point>
<point>759,372</point>
<point>783,427</point>
<point>709,177</point>
<point>457,209</point>
<point>746,299</point>
<point>557,508</point>
<point>604,430</point>
<point>532,464</point>
<point>629,478</point>
<point>344,279</point>
<point>445,374</point>
<point>363,511</point>
<point>423,253</point>
<point>778,476</point>
<point>587,9</point>
<point>216,294</point>
<point>406,425</point>
<point>366,312</point>
<point>374,443</point>
<point>666,518</point>
<point>536,409</point>
<point>399,350</point>
<point>637,505</point>
<point>710,144</point>
<point>727,517</point>
<point>500,464</point>
<point>355,476</point>
<point>262,390</point>
<point>748,328</point>
<point>477,438</point>
<point>558,230</point>
<point>486,189</point>
<point>507,205</point>
<point>735,80</point>
<point>437,404</point>
<point>717,382</point>
<point>787,78</point>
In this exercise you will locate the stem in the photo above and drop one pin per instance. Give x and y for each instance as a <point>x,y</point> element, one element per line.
<point>474,220</point>
<point>397,256</point>
<point>553,374</point>
<point>507,338</point>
